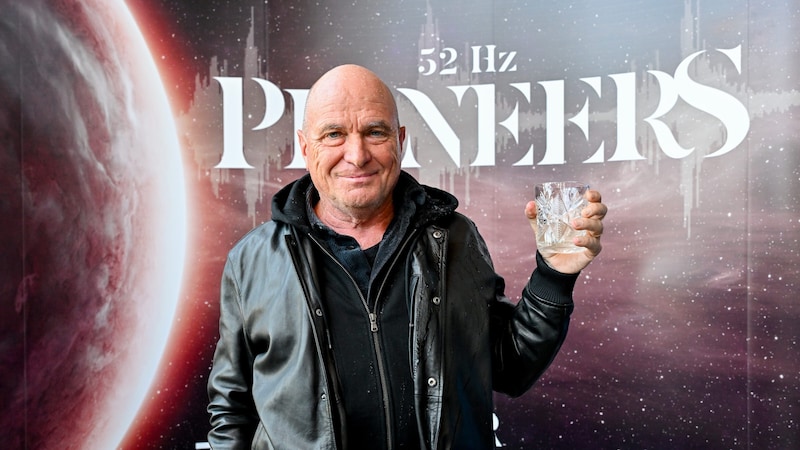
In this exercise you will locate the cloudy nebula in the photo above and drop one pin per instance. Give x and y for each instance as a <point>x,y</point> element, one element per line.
<point>685,329</point>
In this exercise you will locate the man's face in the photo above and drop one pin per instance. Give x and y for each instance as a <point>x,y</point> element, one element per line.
<point>351,144</point>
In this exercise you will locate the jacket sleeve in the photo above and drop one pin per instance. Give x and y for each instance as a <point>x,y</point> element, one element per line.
<point>527,336</point>
<point>233,413</point>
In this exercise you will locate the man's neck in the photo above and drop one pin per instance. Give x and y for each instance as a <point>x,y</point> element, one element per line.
<point>366,228</point>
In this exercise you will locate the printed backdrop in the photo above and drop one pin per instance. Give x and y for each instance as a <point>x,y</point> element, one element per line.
<point>141,139</point>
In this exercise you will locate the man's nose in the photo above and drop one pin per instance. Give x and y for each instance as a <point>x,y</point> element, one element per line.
<point>356,151</point>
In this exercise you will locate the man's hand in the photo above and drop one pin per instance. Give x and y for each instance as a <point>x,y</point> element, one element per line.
<point>592,221</point>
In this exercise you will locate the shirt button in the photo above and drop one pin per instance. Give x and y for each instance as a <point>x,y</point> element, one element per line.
<point>437,234</point>
<point>318,312</point>
<point>436,300</point>
<point>432,382</point>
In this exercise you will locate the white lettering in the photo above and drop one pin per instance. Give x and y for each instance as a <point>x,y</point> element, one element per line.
<point>626,118</point>
<point>554,150</point>
<point>436,122</point>
<point>731,113</point>
<point>486,114</point>
<point>667,101</point>
<point>233,136</point>
<point>299,97</point>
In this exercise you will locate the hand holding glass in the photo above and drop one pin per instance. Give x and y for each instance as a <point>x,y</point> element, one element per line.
<point>557,205</point>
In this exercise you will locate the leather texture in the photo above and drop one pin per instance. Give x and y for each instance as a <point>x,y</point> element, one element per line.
<point>273,384</point>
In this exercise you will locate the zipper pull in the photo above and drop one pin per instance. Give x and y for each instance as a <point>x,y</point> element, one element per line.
<point>373,322</point>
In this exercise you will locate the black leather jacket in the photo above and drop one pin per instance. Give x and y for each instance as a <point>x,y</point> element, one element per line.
<point>273,384</point>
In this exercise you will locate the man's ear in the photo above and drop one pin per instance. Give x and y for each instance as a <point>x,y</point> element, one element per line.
<point>301,138</point>
<point>401,137</point>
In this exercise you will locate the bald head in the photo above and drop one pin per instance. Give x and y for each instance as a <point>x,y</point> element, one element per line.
<point>349,81</point>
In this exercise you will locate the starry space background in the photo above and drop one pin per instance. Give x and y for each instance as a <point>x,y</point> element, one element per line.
<point>685,330</point>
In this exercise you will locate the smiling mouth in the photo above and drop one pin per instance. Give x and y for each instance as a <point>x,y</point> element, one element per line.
<point>357,177</point>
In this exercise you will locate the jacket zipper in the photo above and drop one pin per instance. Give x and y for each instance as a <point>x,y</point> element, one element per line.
<point>373,328</point>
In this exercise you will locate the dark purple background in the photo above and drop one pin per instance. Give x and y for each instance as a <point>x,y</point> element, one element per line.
<point>685,329</point>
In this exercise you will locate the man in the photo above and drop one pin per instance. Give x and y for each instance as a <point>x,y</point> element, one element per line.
<point>367,313</point>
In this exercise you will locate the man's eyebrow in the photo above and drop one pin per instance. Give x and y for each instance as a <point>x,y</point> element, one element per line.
<point>379,124</point>
<point>330,127</point>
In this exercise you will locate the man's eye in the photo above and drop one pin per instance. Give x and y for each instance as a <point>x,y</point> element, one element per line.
<point>377,134</point>
<point>334,135</point>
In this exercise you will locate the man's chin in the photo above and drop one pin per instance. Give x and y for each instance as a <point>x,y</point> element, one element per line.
<point>361,205</point>
<point>366,201</point>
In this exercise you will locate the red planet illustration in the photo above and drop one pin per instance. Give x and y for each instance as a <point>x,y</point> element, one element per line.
<point>93,222</point>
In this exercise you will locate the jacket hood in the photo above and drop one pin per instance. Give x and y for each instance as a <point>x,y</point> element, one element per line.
<point>432,204</point>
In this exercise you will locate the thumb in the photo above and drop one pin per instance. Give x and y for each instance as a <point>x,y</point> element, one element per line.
<point>530,213</point>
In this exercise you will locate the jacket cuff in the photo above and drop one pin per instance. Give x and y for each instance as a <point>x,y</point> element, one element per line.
<point>551,285</point>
